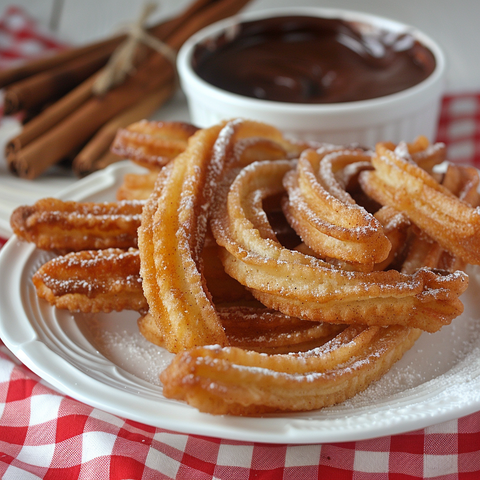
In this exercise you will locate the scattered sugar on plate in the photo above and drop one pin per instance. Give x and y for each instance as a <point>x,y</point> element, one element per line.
<point>127,348</point>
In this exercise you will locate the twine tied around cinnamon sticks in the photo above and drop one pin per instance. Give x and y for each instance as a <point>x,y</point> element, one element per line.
<point>80,125</point>
<point>121,62</point>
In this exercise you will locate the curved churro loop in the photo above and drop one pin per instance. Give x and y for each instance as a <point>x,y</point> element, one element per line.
<point>54,224</point>
<point>152,144</point>
<point>93,281</point>
<point>174,227</point>
<point>398,182</point>
<point>240,382</point>
<point>325,216</point>
<point>285,331</point>
<point>309,288</point>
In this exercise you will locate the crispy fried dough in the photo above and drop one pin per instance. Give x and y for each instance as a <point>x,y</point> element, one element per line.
<point>309,288</point>
<point>239,382</point>
<point>174,228</point>
<point>325,216</point>
<point>93,281</point>
<point>53,224</point>
<point>273,349</point>
<point>170,240</point>
<point>400,183</point>
<point>152,144</point>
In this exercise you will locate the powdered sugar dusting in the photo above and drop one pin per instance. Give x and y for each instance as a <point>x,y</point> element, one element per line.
<point>437,362</point>
<point>122,344</point>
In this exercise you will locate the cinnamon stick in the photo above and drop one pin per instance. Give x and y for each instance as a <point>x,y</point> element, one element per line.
<point>34,67</point>
<point>70,102</point>
<point>78,127</point>
<point>49,85</point>
<point>54,60</point>
<point>81,124</point>
<point>98,147</point>
<point>50,117</point>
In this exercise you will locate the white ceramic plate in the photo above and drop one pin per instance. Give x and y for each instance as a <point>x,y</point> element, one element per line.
<point>103,361</point>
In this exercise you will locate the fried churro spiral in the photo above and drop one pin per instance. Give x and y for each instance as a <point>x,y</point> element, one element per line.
<point>171,238</point>
<point>234,381</point>
<point>309,288</point>
<point>173,229</point>
<point>240,382</point>
<point>325,216</point>
<point>399,182</point>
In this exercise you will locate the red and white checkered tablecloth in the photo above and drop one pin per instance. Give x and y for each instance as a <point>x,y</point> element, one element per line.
<point>47,435</point>
<point>459,127</point>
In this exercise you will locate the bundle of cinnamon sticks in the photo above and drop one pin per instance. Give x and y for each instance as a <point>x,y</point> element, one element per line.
<point>76,122</point>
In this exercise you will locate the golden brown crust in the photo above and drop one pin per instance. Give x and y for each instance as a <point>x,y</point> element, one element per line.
<point>93,281</point>
<point>398,182</point>
<point>240,382</point>
<point>325,216</point>
<point>170,240</point>
<point>274,350</point>
<point>53,224</point>
<point>231,380</point>
<point>309,288</point>
<point>152,144</point>
<point>174,228</point>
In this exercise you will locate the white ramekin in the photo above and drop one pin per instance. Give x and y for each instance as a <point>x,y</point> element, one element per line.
<point>400,116</point>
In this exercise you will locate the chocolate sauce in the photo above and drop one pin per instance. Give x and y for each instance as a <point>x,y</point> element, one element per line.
<point>304,59</point>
